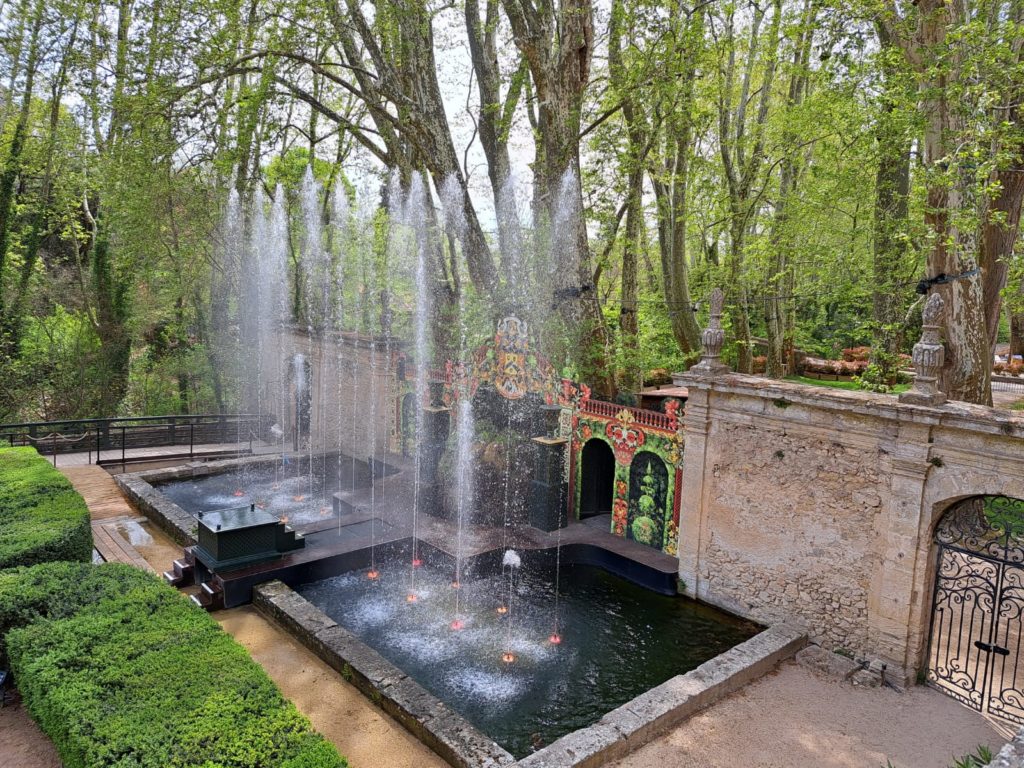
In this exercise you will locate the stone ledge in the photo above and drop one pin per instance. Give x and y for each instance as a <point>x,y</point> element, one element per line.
<point>425,716</point>
<point>953,414</point>
<point>651,714</point>
<point>169,517</point>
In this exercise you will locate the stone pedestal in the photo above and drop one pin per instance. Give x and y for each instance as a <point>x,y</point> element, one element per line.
<point>549,417</point>
<point>548,490</point>
<point>436,425</point>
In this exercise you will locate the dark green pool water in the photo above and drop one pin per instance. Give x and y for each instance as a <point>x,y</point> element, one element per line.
<point>617,641</point>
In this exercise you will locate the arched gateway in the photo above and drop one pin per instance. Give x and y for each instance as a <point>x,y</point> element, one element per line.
<point>974,651</point>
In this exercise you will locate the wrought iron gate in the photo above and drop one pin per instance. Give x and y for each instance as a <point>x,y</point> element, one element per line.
<point>975,644</point>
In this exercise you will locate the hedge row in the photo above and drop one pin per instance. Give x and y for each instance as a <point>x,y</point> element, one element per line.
<point>42,518</point>
<point>121,670</point>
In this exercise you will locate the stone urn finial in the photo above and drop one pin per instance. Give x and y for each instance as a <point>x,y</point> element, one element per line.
<point>712,340</point>
<point>928,357</point>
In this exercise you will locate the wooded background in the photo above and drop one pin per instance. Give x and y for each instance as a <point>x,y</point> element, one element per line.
<point>815,158</point>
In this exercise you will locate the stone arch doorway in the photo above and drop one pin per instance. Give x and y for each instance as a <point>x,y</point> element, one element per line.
<point>597,478</point>
<point>974,648</point>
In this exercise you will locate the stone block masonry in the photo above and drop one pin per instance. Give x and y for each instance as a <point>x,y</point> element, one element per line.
<point>818,506</point>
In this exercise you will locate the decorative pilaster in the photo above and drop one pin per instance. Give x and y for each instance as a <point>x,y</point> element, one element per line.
<point>928,357</point>
<point>712,339</point>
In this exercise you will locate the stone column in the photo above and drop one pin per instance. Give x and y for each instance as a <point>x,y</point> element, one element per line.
<point>928,357</point>
<point>897,581</point>
<point>696,425</point>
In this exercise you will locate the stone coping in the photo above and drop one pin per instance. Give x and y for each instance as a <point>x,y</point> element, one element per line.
<point>618,733</point>
<point>967,416</point>
<point>180,525</point>
<point>428,718</point>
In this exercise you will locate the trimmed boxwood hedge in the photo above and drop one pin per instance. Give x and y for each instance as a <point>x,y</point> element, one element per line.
<point>120,669</point>
<point>42,518</point>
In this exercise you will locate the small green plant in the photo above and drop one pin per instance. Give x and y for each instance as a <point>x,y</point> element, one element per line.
<point>979,758</point>
<point>781,402</point>
<point>936,461</point>
<point>875,379</point>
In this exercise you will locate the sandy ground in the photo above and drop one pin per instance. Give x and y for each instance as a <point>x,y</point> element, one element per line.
<point>22,744</point>
<point>364,734</point>
<point>793,718</point>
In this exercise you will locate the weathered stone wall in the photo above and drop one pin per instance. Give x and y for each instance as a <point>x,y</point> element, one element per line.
<point>794,527</point>
<point>345,370</point>
<point>818,506</point>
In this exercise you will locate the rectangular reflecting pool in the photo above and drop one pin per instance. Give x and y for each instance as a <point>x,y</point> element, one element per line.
<point>522,666</point>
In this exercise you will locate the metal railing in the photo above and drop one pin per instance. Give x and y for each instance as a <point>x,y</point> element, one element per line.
<point>641,416</point>
<point>119,435</point>
<point>1007,383</point>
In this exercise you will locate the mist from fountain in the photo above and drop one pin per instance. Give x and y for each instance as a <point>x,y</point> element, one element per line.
<point>414,214</point>
<point>338,256</point>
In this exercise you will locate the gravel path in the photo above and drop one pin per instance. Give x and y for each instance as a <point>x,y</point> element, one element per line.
<point>791,717</point>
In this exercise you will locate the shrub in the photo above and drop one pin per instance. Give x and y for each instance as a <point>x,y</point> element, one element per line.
<point>42,518</point>
<point>119,669</point>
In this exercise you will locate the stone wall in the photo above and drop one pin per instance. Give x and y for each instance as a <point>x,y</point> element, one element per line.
<point>818,506</point>
<point>345,369</point>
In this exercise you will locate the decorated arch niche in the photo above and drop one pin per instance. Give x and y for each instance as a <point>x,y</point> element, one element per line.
<point>597,478</point>
<point>648,492</point>
<point>648,470</point>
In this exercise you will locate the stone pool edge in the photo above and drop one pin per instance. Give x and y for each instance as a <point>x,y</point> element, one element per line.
<point>652,714</point>
<point>168,516</point>
<point>429,719</point>
<point>461,744</point>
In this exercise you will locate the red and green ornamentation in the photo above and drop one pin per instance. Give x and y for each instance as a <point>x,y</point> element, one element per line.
<point>646,500</point>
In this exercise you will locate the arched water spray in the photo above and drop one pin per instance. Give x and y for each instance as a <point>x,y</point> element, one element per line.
<point>276,278</point>
<point>233,236</point>
<point>341,233</point>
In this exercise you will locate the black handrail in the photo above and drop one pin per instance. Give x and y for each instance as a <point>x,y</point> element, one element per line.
<point>114,419</point>
<point>68,431</point>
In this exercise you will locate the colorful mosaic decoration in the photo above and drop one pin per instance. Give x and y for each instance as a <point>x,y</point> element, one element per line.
<point>648,460</point>
<point>624,437</point>
<point>510,366</point>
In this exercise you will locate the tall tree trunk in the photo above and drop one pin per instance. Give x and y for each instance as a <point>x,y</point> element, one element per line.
<point>495,120</point>
<point>891,220</point>
<point>781,281</point>
<point>629,325</point>
<point>949,191</point>
<point>557,44</point>
<point>741,140</point>
<point>11,170</point>
<point>670,178</point>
